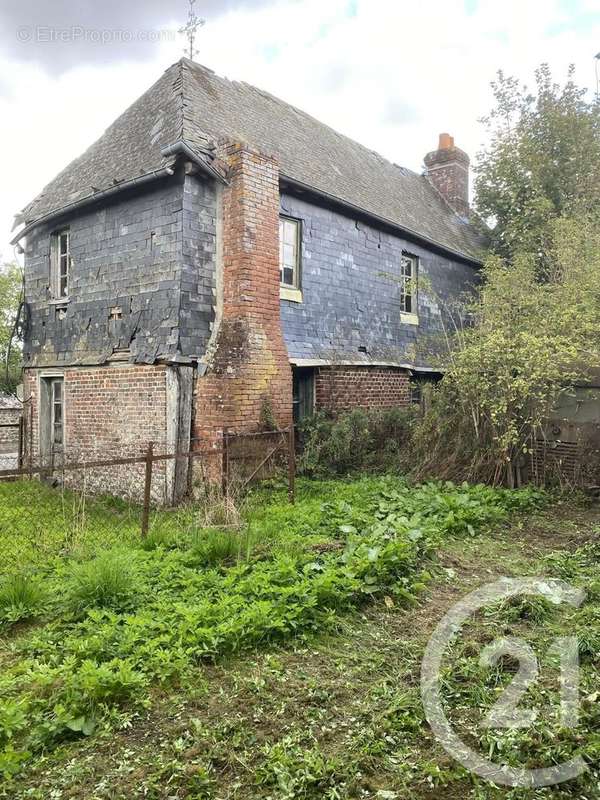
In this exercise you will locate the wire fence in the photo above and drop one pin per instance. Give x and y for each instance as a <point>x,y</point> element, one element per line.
<point>149,491</point>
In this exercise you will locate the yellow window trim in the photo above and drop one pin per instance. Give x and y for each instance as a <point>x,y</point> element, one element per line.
<point>293,295</point>
<point>409,319</point>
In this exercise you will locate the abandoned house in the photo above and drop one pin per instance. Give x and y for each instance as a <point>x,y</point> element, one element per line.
<point>218,251</point>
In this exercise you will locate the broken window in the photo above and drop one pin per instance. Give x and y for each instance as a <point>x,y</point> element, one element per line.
<point>289,252</point>
<point>60,264</point>
<point>408,283</point>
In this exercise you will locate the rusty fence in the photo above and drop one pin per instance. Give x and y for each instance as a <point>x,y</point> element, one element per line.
<point>151,490</point>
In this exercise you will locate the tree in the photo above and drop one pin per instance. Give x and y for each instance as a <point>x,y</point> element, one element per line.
<point>529,341</point>
<point>534,326</point>
<point>542,163</point>
<point>11,281</point>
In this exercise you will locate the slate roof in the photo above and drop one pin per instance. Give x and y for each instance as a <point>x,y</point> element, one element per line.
<point>191,103</point>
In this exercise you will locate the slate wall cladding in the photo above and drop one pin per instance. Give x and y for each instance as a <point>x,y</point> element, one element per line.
<point>150,255</point>
<point>198,273</point>
<point>351,291</point>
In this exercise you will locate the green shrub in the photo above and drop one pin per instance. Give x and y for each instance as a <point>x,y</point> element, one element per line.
<point>358,440</point>
<point>21,598</point>
<point>108,581</point>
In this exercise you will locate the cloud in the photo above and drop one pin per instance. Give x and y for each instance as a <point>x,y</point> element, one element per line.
<point>398,111</point>
<point>62,34</point>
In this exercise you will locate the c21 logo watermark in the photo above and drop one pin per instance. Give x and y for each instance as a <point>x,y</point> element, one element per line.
<point>506,712</point>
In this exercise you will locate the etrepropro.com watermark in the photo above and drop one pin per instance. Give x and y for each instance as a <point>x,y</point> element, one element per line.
<point>506,713</point>
<point>48,34</point>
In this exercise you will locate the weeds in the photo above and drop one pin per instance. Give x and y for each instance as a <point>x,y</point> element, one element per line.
<point>213,547</point>
<point>148,617</point>
<point>21,598</point>
<point>108,581</point>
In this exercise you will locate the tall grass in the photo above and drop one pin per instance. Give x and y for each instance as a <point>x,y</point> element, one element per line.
<point>215,547</point>
<point>21,597</point>
<point>107,581</point>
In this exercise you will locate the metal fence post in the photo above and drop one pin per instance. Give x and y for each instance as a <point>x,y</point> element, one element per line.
<point>292,465</point>
<point>30,432</point>
<point>147,488</point>
<point>21,441</point>
<point>225,464</point>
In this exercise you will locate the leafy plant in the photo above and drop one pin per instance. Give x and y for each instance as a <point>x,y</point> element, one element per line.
<point>360,439</point>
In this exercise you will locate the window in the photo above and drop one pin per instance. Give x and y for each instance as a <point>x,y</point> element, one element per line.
<point>408,283</point>
<point>303,393</point>
<point>60,264</point>
<point>289,252</point>
<point>56,421</point>
<point>52,418</point>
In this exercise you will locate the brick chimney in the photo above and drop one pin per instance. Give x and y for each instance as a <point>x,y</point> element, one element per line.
<point>247,362</point>
<point>448,170</point>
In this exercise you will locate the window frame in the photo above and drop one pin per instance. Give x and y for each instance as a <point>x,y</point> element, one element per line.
<point>60,264</point>
<point>54,403</point>
<point>303,393</point>
<point>412,295</point>
<point>297,268</point>
<point>47,418</point>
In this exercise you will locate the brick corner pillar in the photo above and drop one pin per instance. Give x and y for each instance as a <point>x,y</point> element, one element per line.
<point>247,365</point>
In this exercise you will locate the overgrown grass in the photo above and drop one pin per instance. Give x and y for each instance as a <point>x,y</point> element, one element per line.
<point>147,615</point>
<point>107,581</point>
<point>21,598</point>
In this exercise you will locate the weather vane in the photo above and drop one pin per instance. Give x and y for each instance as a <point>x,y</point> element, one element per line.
<point>190,28</point>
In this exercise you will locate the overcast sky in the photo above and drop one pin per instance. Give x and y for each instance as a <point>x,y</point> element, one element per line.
<point>390,73</point>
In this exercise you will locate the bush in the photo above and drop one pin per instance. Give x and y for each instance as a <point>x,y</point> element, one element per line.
<point>356,441</point>
<point>21,598</point>
<point>107,581</point>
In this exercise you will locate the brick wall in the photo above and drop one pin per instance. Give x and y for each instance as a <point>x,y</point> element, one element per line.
<point>342,388</point>
<point>448,171</point>
<point>109,411</point>
<point>247,362</point>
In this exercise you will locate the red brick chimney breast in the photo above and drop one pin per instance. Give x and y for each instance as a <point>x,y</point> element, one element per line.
<point>247,361</point>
